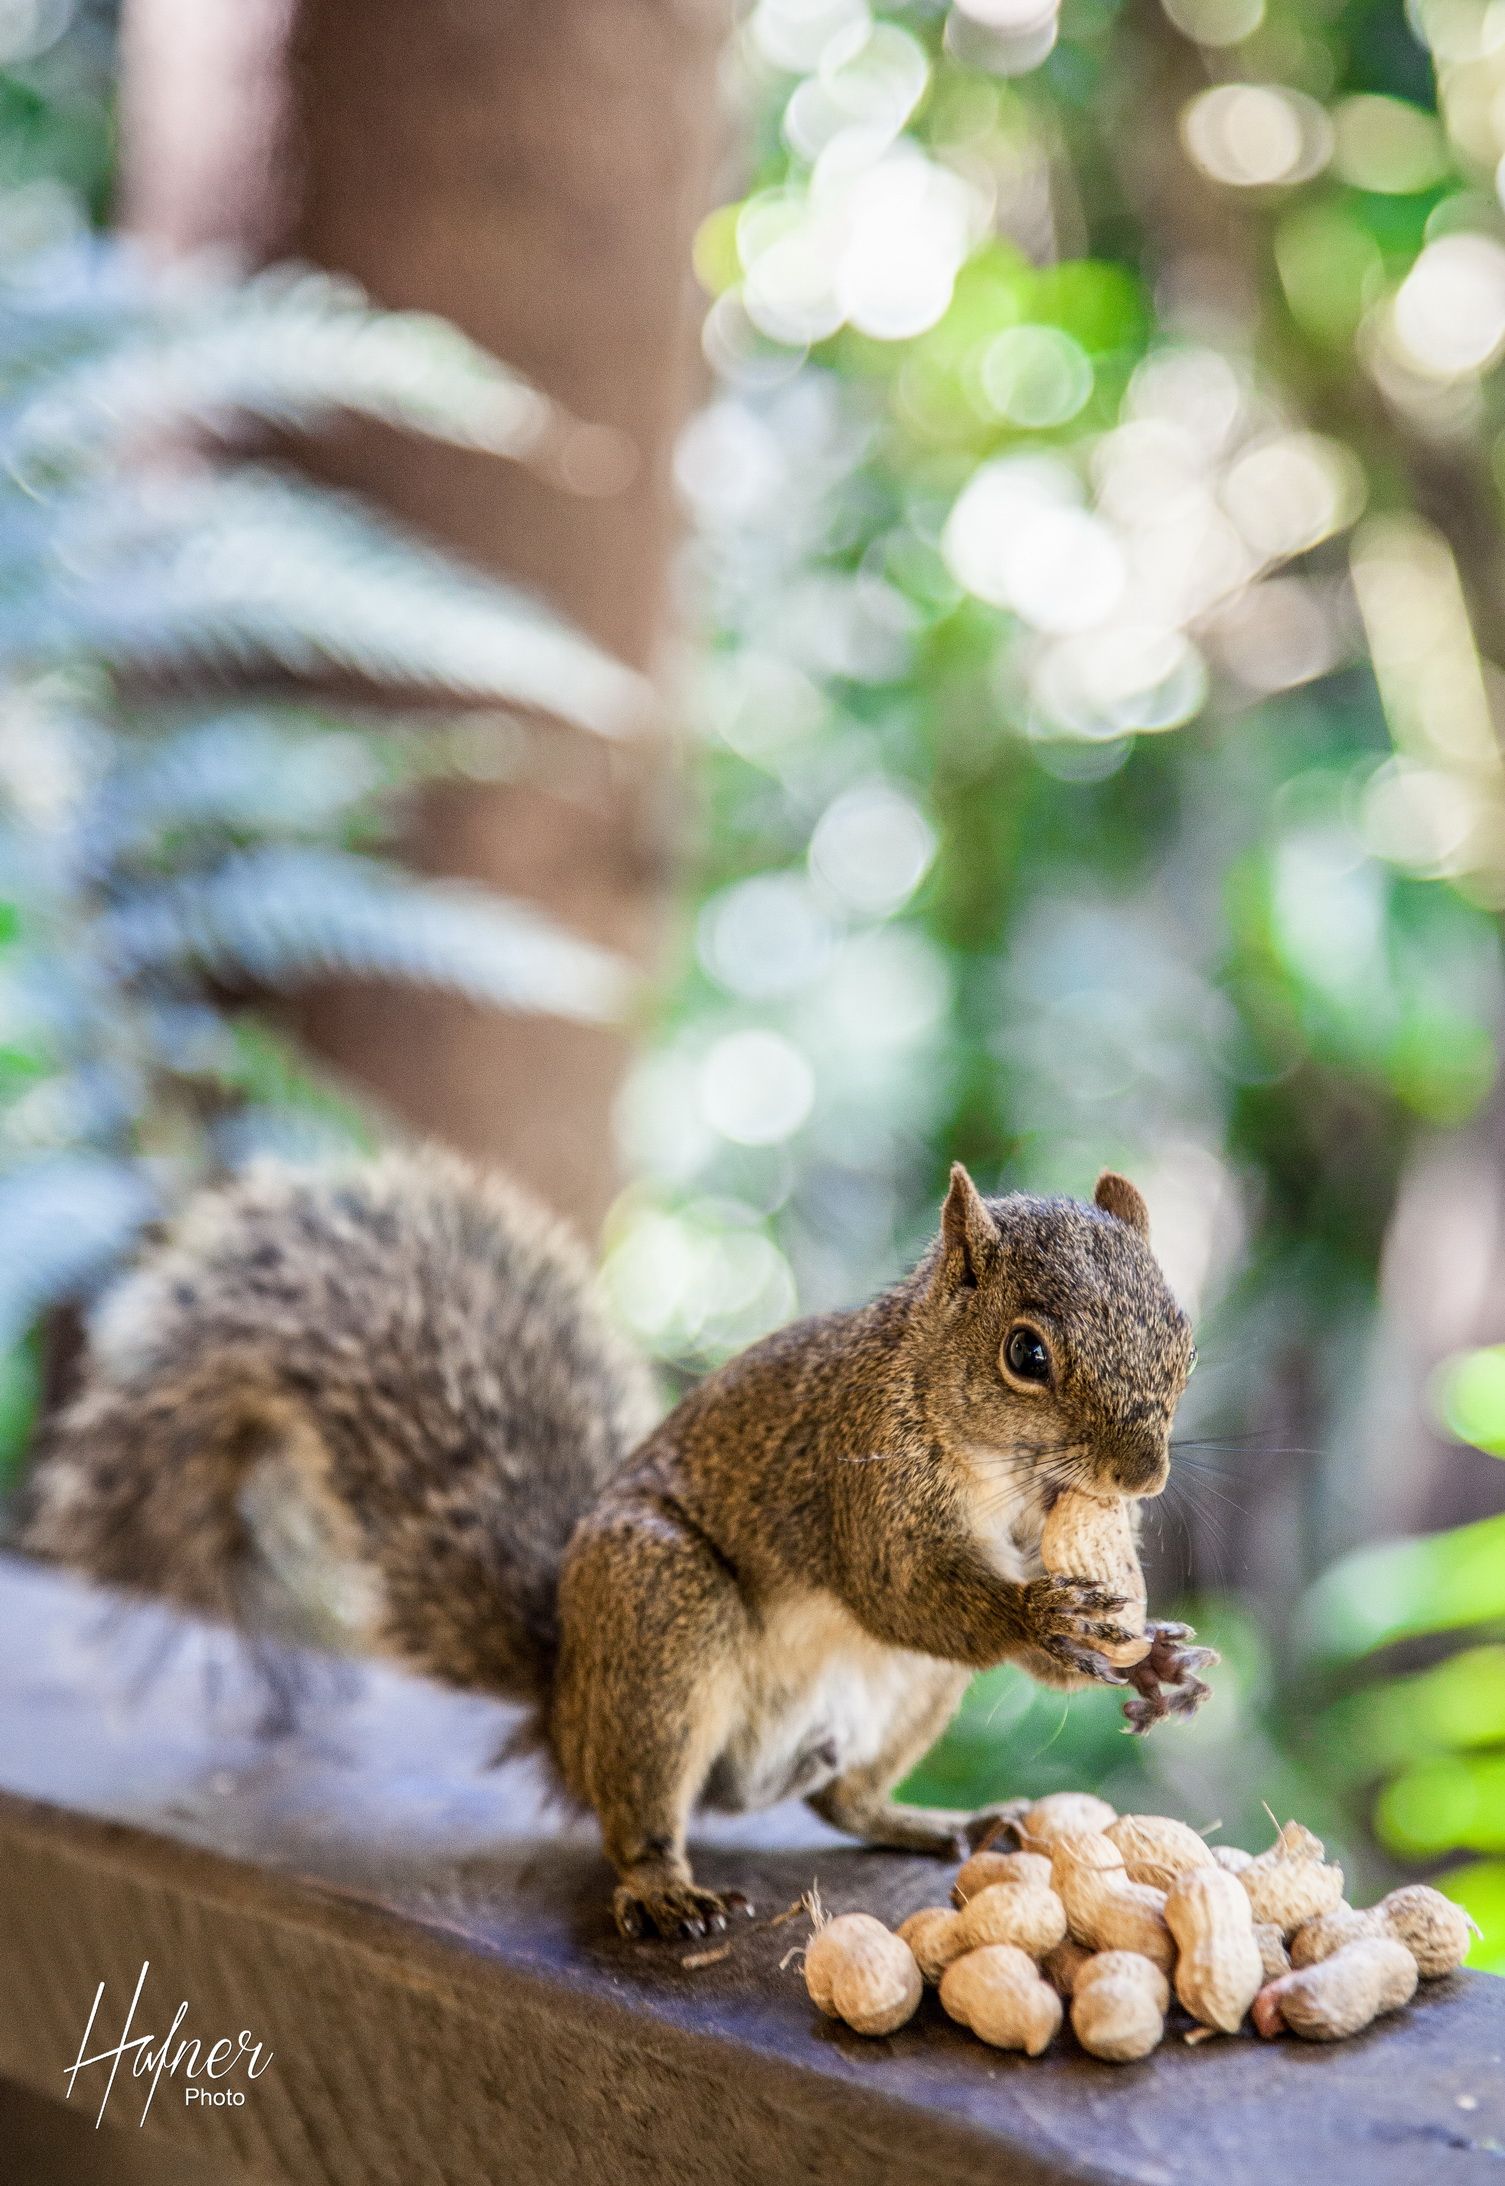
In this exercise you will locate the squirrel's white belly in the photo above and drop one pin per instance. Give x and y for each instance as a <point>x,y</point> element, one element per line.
<point>816,1696</point>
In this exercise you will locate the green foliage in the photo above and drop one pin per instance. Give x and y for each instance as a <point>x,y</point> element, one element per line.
<point>979,531</point>
<point>57,138</point>
<point>1457,1704</point>
<point>1480,1889</point>
<point>20,1394</point>
<point>1433,1740</point>
<point>1080,784</point>
<point>1471,1398</point>
<point>1403,1589</point>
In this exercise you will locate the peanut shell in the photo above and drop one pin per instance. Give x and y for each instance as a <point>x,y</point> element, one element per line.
<point>986,1868</point>
<point>870,1980</point>
<point>933,1936</point>
<point>1088,1537</point>
<point>1274,1956</point>
<point>1119,2005</point>
<point>1063,1814</point>
<point>1219,1966</point>
<point>1104,1910</point>
<point>1330,2001</point>
<point>1062,1965</point>
<point>1434,1930</point>
<point>1292,1883</point>
<point>827,1950</point>
<point>1156,1849</point>
<point>998,1993</point>
<point>1032,1919</point>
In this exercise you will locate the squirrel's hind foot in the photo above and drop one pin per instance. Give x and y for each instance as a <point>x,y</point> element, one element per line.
<point>1166,1681</point>
<point>675,1910</point>
<point>990,1825</point>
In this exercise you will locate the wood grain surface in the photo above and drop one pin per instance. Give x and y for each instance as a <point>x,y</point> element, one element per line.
<point>424,1946</point>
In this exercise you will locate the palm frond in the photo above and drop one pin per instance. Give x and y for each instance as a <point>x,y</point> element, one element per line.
<point>285,916</point>
<point>164,843</point>
<point>240,773</point>
<point>285,774</point>
<point>287,1131</point>
<point>239,572</point>
<point>70,301</point>
<point>64,1222</point>
<point>290,346</point>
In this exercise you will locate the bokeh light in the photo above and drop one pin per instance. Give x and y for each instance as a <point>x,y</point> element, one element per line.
<point>1216,22</point>
<point>1388,145</point>
<point>756,1088</point>
<point>871,847</point>
<point>1257,136</point>
<point>1035,375</point>
<point>1448,318</point>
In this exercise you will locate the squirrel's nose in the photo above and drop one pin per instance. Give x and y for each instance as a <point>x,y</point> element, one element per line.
<point>1141,1467</point>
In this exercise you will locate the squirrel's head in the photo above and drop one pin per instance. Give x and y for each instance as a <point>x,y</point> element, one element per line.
<point>1055,1345</point>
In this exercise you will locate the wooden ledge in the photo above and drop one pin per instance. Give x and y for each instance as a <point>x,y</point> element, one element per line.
<point>426,1951</point>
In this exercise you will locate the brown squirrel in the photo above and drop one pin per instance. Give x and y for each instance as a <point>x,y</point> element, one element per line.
<point>381,1409</point>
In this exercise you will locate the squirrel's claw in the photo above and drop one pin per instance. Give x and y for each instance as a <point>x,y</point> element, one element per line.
<point>1084,1660</point>
<point>1065,1615</point>
<point>991,1822</point>
<point>1143,1714</point>
<point>1188,1661</point>
<point>1166,1682</point>
<point>1075,1596</point>
<point>1158,1702</point>
<point>679,1910</point>
<point>1170,1659</point>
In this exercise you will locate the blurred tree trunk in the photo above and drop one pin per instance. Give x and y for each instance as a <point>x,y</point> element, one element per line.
<point>535,175</point>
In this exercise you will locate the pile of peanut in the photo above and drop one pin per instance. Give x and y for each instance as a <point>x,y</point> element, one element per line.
<point>1113,1914</point>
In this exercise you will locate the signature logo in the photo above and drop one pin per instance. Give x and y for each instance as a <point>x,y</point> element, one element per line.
<point>153,2058</point>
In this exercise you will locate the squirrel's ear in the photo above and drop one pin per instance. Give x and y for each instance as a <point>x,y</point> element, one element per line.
<point>1117,1196</point>
<point>969,1235</point>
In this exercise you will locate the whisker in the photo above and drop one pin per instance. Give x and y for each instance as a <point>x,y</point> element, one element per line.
<point>997,1704</point>
<point>1186,1481</point>
<point>1208,1544</point>
<point>1046,1744</point>
<point>1256,1443</point>
<point>1175,1513</point>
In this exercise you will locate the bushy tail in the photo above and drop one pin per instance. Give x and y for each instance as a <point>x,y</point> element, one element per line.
<point>364,1407</point>
<point>140,1486</point>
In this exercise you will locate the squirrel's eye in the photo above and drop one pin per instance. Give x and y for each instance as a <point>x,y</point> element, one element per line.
<point>1025,1355</point>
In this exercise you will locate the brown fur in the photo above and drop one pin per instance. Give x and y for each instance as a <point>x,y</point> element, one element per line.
<point>366,1406</point>
<point>383,1403</point>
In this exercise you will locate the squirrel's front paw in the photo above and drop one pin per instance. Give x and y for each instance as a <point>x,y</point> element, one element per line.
<point>1064,1616</point>
<point>677,1909</point>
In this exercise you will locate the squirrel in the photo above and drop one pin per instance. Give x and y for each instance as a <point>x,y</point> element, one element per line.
<point>381,1409</point>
